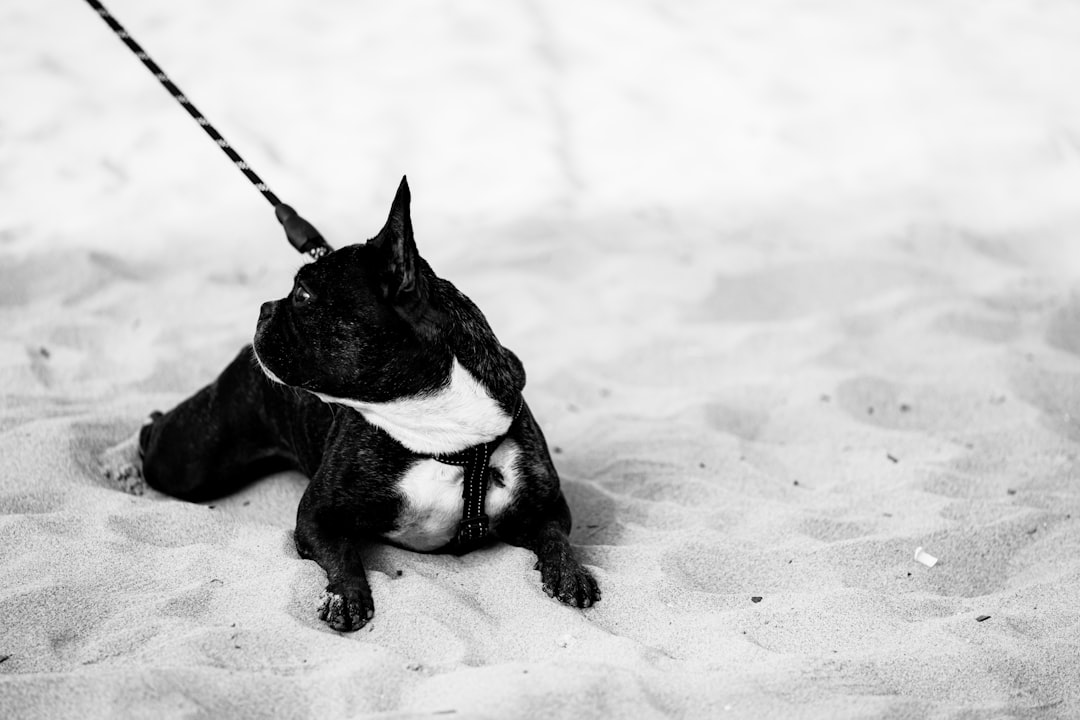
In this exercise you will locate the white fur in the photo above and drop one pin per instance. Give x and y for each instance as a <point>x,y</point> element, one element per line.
<point>266,371</point>
<point>455,417</point>
<point>458,416</point>
<point>433,502</point>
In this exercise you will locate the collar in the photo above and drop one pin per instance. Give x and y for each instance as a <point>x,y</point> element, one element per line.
<point>474,527</point>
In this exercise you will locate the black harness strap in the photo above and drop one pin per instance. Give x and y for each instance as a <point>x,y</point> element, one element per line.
<point>474,527</point>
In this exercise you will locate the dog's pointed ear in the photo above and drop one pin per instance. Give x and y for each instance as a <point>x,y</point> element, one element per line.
<point>402,281</point>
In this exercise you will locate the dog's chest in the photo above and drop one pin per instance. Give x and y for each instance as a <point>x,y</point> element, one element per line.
<point>432,501</point>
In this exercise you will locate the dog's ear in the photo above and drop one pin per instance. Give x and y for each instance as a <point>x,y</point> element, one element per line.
<point>402,282</point>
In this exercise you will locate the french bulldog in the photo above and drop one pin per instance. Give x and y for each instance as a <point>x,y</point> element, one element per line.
<point>384,385</point>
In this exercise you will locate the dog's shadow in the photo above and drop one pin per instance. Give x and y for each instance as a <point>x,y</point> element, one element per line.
<point>594,512</point>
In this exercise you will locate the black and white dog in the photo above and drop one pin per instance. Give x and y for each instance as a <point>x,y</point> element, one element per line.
<point>384,385</point>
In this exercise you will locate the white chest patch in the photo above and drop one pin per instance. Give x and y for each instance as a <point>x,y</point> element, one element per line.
<point>433,503</point>
<point>455,417</point>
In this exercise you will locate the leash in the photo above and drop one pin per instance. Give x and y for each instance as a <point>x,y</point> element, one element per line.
<point>301,234</point>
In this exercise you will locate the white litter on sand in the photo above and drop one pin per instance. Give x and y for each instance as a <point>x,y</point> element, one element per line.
<point>924,557</point>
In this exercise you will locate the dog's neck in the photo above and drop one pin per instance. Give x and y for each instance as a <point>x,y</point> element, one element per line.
<point>458,415</point>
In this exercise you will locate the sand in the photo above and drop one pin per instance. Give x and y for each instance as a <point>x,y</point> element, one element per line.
<point>797,286</point>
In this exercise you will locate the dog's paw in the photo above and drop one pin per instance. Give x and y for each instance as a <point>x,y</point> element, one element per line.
<point>346,609</point>
<point>122,466</point>
<point>564,578</point>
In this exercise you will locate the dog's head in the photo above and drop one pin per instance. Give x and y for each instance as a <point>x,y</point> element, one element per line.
<point>373,323</point>
<point>360,322</point>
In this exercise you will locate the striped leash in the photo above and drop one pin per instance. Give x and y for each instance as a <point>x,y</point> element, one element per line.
<point>301,234</point>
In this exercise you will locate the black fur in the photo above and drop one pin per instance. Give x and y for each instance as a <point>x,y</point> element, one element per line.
<point>373,323</point>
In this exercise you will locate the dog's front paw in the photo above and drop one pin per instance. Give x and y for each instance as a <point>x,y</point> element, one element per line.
<point>122,466</point>
<point>346,608</point>
<point>564,578</point>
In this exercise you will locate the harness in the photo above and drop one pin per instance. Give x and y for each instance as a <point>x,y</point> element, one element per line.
<point>474,527</point>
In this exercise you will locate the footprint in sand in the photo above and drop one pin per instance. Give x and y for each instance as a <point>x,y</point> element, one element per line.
<point>879,402</point>
<point>595,514</point>
<point>745,423</point>
<point>988,328</point>
<point>1063,331</point>
<point>35,502</point>
<point>171,524</point>
<point>972,561</point>
<point>191,603</point>
<point>830,530</point>
<point>71,276</point>
<point>793,291</point>
<point>723,567</point>
<point>1056,394</point>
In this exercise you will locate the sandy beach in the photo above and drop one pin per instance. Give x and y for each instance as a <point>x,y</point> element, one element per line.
<point>797,287</point>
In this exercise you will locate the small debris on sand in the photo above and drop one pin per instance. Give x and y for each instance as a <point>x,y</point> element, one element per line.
<point>982,618</point>
<point>924,557</point>
<point>755,599</point>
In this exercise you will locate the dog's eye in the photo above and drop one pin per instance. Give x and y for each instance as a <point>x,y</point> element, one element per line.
<point>301,296</point>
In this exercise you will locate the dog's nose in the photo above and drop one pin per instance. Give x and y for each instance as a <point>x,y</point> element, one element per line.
<point>265,310</point>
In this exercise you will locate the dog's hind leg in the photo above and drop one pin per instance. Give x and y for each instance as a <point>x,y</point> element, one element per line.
<point>216,441</point>
<point>122,466</point>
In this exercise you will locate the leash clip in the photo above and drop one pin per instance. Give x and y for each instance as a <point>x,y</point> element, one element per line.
<point>302,235</point>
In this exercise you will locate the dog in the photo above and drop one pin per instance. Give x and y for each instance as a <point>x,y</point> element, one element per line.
<point>384,385</point>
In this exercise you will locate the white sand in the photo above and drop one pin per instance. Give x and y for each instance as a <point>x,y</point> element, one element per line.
<point>796,285</point>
